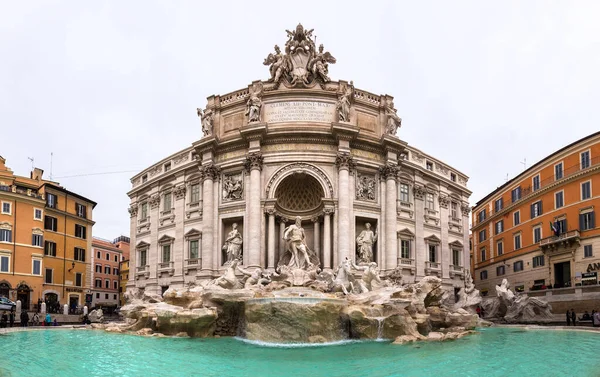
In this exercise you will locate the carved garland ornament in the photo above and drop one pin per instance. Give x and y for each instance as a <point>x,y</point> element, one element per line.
<point>299,166</point>
<point>179,191</point>
<point>154,200</point>
<point>253,161</point>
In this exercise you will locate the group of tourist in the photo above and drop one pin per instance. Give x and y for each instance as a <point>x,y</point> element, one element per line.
<point>8,320</point>
<point>594,317</point>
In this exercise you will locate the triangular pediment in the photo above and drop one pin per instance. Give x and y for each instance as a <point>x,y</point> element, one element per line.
<point>433,238</point>
<point>166,239</point>
<point>193,233</point>
<point>142,245</point>
<point>407,233</point>
<point>456,243</point>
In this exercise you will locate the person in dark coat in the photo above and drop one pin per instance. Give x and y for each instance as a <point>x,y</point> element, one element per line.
<point>568,318</point>
<point>11,318</point>
<point>573,316</point>
<point>3,320</point>
<point>24,318</point>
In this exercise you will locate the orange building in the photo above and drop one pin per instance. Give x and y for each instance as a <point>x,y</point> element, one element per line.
<point>45,240</point>
<point>539,230</point>
<point>106,259</point>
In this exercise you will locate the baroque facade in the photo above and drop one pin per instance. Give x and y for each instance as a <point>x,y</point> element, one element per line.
<point>297,147</point>
<point>539,231</point>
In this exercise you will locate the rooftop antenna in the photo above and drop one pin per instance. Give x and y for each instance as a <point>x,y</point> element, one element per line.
<point>31,159</point>
<point>524,162</point>
<point>51,155</point>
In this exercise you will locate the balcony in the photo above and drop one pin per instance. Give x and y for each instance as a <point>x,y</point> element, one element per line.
<point>562,241</point>
<point>168,267</point>
<point>192,264</point>
<point>433,267</point>
<point>407,264</point>
<point>142,271</point>
<point>456,270</point>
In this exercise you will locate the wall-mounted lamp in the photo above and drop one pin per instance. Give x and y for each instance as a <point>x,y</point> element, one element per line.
<point>72,266</point>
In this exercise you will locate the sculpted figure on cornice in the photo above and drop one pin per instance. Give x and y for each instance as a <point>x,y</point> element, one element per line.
<point>254,161</point>
<point>233,187</point>
<point>393,121</point>
<point>302,63</point>
<point>254,103</point>
<point>344,102</point>
<point>365,187</point>
<point>206,118</point>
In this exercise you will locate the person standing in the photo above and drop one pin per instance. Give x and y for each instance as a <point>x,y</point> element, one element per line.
<point>24,318</point>
<point>11,318</point>
<point>568,318</point>
<point>3,320</point>
<point>573,317</point>
<point>596,319</point>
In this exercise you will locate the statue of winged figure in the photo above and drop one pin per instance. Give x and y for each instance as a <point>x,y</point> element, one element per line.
<point>277,63</point>
<point>318,65</point>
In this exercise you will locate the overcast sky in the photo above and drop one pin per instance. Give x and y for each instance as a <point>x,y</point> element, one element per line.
<point>113,86</point>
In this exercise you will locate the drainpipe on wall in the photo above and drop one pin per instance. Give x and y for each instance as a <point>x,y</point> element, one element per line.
<point>65,249</point>
<point>14,240</point>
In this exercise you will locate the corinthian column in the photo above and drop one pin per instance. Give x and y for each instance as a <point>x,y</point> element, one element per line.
<point>327,237</point>
<point>253,165</point>
<point>271,239</point>
<point>344,163</point>
<point>389,173</point>
<point>316,237</point>
<point>210,173</point>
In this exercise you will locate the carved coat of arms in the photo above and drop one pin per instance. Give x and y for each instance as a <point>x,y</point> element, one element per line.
<point>302,62</point>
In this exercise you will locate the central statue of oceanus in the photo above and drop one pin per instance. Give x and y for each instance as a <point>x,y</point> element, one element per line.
<point>302,63</point>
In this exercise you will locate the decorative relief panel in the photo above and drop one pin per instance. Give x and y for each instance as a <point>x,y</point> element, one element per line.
<point>233,187</point>
<point>233,121</point>
<point>367,121</point>
<point>181,158</point>
<point>365,187</point>
<point>154,171</point>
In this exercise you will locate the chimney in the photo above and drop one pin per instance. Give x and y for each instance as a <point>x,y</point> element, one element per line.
<point>37,174</point>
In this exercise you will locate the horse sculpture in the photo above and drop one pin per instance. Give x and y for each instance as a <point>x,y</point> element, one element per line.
<point>343,281</point>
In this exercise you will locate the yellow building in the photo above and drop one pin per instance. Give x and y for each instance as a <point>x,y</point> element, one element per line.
<point>45,241</point>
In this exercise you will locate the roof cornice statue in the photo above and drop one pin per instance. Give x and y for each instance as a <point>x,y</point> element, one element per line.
<point>302,63</point>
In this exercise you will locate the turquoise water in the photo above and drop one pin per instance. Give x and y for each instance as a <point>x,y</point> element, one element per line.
<point>493,352</point>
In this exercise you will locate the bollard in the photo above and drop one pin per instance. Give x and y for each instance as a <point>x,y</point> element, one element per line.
<point>66,309</point>
<point>85,310</point>
<point>43,309</point>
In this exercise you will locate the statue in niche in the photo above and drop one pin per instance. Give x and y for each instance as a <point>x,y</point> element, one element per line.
<point>393,121</point>
<point>365,188</point>
<point>277,65</point>
<point>228,280</point>
<point>370,273</point>
<point>206,119</point>
<point>343,104</point>
<point>297,254</point>
<point>365,241</point>
<point>254,103</point>
<point>233,245</point>
<point>232,187</point>
<point>319,66</point>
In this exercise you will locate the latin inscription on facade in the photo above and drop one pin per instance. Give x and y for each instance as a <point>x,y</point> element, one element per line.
<point>299,111</point>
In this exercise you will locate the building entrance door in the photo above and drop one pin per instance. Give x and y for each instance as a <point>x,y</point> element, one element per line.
<point>562,274</point>
<point>73,304</point>
<point>23,295</point>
